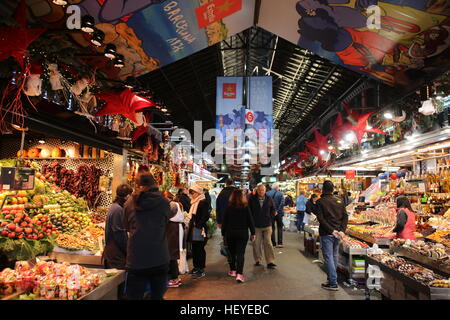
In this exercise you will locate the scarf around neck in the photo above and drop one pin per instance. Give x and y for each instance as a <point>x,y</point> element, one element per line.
<point>194,204</point>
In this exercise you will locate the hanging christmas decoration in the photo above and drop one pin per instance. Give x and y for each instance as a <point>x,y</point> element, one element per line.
<point>125,103</point>
<point>79,86</point>
<point>14,41</point>
<point>55,77</point>
<point>319,146</point>
<point>427,108</point>
<point>33,82</point>
<point>360,127</point>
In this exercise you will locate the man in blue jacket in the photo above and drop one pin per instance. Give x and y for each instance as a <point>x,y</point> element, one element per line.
<point>278,200</point>
<point>301,208</point>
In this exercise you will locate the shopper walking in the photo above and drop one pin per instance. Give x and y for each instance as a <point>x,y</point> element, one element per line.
<point>406,220</point>
<point>221,205</point>
<point>199,214</point>
<point>301,208</point>
<point>277,222</point>
<point>147,251</point>
<point>222,201</point>
<point>184,199</point>
<point>263,210</point>
<point>116,238</point>
<point>333,220</point>
<point>237,222</point>
<point>174,234</point>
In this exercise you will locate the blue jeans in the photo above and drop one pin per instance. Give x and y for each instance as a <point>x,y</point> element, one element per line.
<point>300,218</point>
<point>330,249</point>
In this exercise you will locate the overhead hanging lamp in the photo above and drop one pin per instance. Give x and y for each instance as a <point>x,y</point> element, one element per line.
<point>60,2</point>
<point>110,51</point>
<point>98,37</point>
<point>87,23</point>
<point>119,61</point>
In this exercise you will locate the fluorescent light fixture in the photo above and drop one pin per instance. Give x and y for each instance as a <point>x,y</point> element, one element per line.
<point>330,148</point>
<point>41,141</point>
<point>322,152</point>
<point>388,115</point>
<point>164,110</point>
<point>369,127</point>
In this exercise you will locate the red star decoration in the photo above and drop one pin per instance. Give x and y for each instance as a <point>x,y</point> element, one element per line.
<point>319,143</point>
<point>360,127</point>
<point>14,41</point>
<point>339,128</point>
<point>125,103</point>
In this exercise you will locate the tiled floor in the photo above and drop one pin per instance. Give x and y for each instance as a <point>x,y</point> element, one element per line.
<point>295,278</point>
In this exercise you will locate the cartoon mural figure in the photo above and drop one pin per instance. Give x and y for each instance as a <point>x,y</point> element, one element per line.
<point>410,31</point>
<point>114,11</point>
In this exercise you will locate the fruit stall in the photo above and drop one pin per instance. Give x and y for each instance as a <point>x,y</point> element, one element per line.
<point>47,280</point>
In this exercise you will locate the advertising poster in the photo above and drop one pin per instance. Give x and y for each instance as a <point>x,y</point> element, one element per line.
<point>154,33</point>
<point>390,40</point>
<point>229,111</point>
<point>260,102</point>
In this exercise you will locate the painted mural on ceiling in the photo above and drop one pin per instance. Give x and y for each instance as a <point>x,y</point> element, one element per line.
<point>152,33</point>
<point>390,40</point>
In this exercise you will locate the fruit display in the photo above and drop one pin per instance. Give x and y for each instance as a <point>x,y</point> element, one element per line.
<point>409,269</point>
<point>49,281</point>
<point>23,236</point>
<point>441,236</point>
<point>98,217</point>
<point>371,232</point>
<point>435,251</point>
<point>353,243</point>
<point>86,239</point>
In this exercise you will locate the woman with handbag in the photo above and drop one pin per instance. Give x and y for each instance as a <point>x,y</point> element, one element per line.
<point>174,232</point>
<point>199,214</point>
<point>237,221</point>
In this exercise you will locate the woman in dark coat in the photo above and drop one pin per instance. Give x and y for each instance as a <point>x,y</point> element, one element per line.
<point>115,252</point>
<point>237,222</point>
<point>199,214</point>
<point>174,231</point>
<point>147,251</point>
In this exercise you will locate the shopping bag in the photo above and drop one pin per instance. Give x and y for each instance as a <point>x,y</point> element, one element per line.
<point>198,234</point>
<point>183,266</point>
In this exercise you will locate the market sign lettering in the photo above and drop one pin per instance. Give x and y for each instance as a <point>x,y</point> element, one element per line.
<point>182,27</point>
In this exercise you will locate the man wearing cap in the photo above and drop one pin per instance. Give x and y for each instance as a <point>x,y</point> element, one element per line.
<point>333,219</point>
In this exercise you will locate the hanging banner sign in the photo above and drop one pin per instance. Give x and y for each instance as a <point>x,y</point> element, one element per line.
<point>216,10</point>
<point>386,40</point>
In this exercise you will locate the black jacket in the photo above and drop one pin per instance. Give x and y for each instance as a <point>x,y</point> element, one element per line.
<point>185,201</point>
<point>116,238</point>
<point>262,216</point>
<point>237,221</point>
<point>331,214</point>
<point>222,202</point>
<point>200,218</point>
<point>311,207</point>
<point>147,245</point>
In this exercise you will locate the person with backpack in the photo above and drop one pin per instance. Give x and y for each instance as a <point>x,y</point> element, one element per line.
<point>277,222</point>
